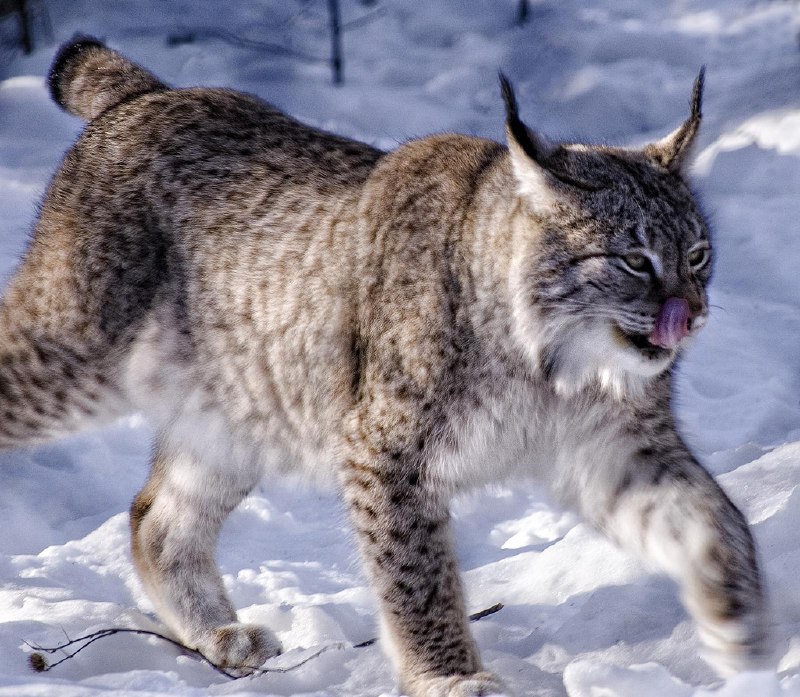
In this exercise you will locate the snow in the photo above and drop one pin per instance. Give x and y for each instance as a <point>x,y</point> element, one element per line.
<point>581,619</point>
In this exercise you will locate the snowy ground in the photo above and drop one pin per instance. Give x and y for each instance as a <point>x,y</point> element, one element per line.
<point>580,618</point>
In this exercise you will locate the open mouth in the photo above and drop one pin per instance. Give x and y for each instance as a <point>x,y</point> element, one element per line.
<point>642,343</point>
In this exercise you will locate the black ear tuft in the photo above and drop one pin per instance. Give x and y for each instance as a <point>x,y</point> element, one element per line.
<point>516,129</point>
<point>673,152</point>
<point>509,98</point>
<point>697,95</point>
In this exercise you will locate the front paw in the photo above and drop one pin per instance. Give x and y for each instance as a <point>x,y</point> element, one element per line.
<point>481,684</point>
<point>737,644</point>
<point>242,647</point>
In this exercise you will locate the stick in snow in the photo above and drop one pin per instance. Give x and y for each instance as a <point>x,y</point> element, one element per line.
<point>472,618</point>
<point>39,663</point>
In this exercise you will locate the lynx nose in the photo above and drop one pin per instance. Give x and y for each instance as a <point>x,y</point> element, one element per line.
<point>673,323</point>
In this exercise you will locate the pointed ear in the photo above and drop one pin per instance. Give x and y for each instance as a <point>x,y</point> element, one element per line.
<point>673,152</point>
<point>528,153</point>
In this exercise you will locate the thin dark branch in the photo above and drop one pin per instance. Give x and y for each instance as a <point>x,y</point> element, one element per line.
<point>364,19</point>
<point>328,647</point>
<point>306,10</point>
<point>103,633</point>
<point>231,38</point>
<point>25,21</point>
<point>474,617</point>
<point>337,60</point>
<point>368,642</point>
<point>523,10</point>
<point>39,664</point>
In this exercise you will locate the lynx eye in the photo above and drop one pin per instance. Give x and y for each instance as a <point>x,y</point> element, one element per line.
<point>638,263</point>
<point>698,257</point>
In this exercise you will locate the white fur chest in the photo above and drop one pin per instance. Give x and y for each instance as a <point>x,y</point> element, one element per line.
<point>531,431</point>
<point>489,442</point>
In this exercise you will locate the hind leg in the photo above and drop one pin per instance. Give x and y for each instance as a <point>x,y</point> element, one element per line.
<point>175,523</point>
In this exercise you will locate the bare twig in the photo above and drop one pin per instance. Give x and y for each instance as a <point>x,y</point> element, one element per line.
<point>334,18</point>
<point>245,42</point>
<point>39,663</point>
<point>285,669</point>
<point>523,10</point>
<point>364,19</point>
<point>474,617</point>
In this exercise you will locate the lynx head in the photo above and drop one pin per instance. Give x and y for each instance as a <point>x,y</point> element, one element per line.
<point>612,254</point>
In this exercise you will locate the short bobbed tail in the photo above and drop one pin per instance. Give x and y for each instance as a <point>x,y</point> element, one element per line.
<point>87,78</point>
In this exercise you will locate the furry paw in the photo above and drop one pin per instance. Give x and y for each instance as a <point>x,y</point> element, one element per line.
<point>243,647</point>
<point>736,645</point>
<point>481,684</point>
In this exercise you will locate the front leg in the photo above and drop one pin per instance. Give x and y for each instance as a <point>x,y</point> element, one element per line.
<point>662,504</point>
<point>404,537</point>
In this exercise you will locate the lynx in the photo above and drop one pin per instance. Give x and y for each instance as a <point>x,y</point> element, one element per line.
<point>407,325</point>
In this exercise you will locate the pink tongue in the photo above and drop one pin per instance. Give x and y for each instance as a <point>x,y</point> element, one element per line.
<point>672,323</point>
